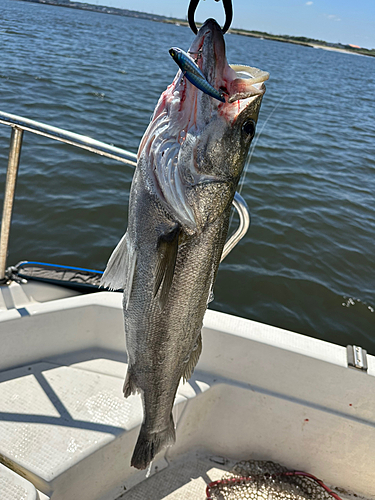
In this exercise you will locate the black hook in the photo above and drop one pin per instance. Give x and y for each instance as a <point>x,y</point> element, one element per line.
<point>228,14</point>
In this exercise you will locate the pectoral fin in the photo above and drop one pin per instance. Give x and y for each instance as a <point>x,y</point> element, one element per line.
<point>167,255</point>
<point>119,273</point>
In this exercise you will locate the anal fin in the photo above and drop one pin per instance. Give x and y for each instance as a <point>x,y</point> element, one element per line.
<point>193,359</point>
<point>130,386</point>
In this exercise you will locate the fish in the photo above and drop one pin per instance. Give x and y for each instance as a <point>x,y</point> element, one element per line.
<point>189,163</point>
<point>194,74</point>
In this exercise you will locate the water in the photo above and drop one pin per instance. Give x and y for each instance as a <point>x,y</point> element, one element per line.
<point>307,263</point>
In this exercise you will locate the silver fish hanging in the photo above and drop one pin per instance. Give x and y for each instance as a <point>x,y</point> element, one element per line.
<point>189,163</point>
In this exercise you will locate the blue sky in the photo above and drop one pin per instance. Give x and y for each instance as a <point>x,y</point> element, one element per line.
<point>342,21</point>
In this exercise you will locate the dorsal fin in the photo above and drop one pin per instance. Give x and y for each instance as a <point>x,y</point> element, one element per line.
<point>167,255</point>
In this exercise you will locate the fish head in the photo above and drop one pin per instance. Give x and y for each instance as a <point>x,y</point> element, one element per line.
<point>193,138</point>
<point>226,129</point>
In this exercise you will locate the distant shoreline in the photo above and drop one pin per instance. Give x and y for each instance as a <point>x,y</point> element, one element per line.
<point>294,40</point>
<point>307,42</point>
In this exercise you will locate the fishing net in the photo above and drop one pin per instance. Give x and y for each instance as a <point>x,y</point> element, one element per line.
<point>261,480</point>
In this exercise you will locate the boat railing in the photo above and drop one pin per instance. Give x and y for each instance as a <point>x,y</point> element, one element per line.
<point>19,125</point>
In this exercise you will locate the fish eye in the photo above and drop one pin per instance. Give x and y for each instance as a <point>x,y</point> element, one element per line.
<point>249,128</point>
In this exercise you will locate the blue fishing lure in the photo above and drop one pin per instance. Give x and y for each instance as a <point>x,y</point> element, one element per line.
<point>193,73</point>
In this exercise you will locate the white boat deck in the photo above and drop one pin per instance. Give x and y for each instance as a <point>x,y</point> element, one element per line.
<point>258,393</point>
<point>185,479</point>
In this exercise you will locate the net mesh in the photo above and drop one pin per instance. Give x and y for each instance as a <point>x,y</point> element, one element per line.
<point>264,480</point>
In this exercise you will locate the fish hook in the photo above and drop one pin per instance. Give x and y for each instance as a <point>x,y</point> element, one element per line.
<point>227,4</point>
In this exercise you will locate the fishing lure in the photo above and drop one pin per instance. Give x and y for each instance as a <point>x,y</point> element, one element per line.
<point>194,74</point>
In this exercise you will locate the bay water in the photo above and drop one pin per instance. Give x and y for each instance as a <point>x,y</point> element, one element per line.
<point>307,263</point>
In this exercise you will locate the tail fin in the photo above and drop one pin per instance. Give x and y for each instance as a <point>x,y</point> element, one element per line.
<point>150,443</point>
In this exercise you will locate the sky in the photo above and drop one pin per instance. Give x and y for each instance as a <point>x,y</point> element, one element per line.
<point>344,21</point>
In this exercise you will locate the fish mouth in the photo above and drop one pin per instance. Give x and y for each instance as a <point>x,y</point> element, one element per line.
<point>184,117</point>
<point>236,82</point>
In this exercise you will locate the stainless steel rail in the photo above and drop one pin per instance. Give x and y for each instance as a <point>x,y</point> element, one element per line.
<point>243,212</point>
<point>10,188</point>
<point>20,124</point>
<point>58,134</point>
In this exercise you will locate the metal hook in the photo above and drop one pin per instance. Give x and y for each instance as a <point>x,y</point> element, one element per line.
<point>228,14</point>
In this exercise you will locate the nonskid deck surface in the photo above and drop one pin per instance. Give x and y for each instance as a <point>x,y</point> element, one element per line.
<point>68,427</point>
<point>15,487</point>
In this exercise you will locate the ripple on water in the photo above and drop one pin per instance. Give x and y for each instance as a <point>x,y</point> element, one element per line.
<point>307,263</point>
